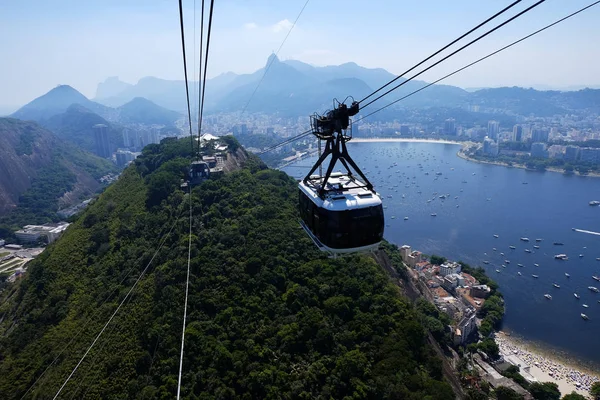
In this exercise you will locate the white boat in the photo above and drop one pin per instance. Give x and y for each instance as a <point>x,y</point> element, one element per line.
<point>405,218</point>
<point>585,305</point>
<point>527,251</point>
<point>576,296</point>
<point>581,255</point>
<point>525,239</point>
<point>556,285</point>
<point>567,275</point>
<point>594,203</point>
<point>433,214</point>
<point>597,258</point>
<point>536,247</point>
<point>561,257</point>
<point>486,262</point>
<point>538,240</point>
<point>548,296</point>
<point>501,254</point>
<point>593,289</point>
<point>596,278</point>
<point>584,316</point>
<point>496,236</point>
<point>520,274</point>
<point>535,276</point>
<point>498,271</point>
<point>494,249</point>
<point>506,262</point>
<point>512,247</point>
<point>519,265</point>
<point>536,265</point>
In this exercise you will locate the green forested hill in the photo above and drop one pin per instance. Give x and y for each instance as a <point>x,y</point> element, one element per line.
<point>37,169</point>
<point>268,316</point>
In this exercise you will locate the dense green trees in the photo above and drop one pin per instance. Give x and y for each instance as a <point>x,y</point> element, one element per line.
<point>512,372</point>
<point>573,396</point>
<point>488,346</point>
<point>437,260</point>
<point>544,391</point>
<point>434,320</point>
<point>506,393</point>
<point>268,315</point>
<point>595,390</point>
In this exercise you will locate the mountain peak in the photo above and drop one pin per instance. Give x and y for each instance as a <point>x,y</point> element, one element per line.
<point>64,90</point>
<point>272,59</point>
<point>142,110</point>
<point>111,86</point>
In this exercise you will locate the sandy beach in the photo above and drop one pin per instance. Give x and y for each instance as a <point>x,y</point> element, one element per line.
<point>547,369</point>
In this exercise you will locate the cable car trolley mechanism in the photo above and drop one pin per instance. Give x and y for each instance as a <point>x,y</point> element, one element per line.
<point>340,213</point>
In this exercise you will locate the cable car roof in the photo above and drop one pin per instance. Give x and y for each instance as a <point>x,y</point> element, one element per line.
<point>351,194</point>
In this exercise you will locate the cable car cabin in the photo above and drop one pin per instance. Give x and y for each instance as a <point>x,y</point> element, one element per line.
<point>198,172</point>
<point>346,219</point>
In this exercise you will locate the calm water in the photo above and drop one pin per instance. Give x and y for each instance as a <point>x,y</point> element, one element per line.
<point>493,200</point>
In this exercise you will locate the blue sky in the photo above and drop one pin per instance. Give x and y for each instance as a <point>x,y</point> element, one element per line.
<point>80,43</point>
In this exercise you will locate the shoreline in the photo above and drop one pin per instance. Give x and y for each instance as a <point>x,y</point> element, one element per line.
<point>546,365</point>
<point>521,166</point>
<point>408,140</point>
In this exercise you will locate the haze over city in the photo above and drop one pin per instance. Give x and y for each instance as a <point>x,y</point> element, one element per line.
<point>83,43</point>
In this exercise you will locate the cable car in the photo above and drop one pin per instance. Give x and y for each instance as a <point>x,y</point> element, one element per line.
<point>339,212</point>
<point>198,172</point>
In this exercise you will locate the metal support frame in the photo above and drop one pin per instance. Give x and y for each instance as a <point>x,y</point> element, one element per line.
<point>336,147</point>
<point>335,127</point>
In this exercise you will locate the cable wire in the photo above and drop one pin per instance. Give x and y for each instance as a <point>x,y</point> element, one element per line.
<point>483,58</point>
<point>187,89</point>
<point>187,285</point>
<point>196,87</point>
<point>272,59</point>
<point>200,83</point>
<point>68,345</point>
<point>187,281</point>
<point>457,51</point>
<point>162,242</point>
<point>444,48</point>
<point>212,2</point>
<point>287,141</point>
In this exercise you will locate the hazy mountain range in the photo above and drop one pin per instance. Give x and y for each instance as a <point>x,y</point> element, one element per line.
<point>293,88</point>
<point>290,87</point>
<point>58,100</point>
<point>71,116</point>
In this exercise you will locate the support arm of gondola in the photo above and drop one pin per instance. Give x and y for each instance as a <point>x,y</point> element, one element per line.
<point>326,153</point>
<point>347,158</point>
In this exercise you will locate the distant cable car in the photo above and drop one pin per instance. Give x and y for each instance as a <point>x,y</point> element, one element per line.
<point>198,172</point>
<point>340,213</point>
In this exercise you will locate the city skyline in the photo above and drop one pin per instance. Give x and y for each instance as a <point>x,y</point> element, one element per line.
<point>132,40</point>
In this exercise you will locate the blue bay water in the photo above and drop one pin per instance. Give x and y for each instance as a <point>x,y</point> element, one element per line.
<point>494,200</point>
